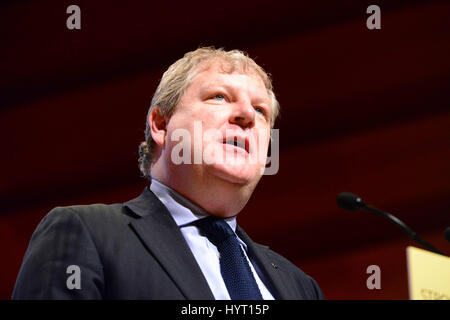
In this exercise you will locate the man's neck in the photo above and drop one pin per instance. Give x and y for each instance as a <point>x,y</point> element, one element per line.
<point>219,198</point>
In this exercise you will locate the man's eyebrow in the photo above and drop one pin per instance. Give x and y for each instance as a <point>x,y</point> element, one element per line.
<point>215,83</point>
<point>209,84</point>
<point>258,99</point>
<point>262,100</point>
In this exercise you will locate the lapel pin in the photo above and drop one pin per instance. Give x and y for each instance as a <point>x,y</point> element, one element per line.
<point>274,266</point>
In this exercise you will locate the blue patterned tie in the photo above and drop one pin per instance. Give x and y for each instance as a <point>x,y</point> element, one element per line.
<point>236,272</point>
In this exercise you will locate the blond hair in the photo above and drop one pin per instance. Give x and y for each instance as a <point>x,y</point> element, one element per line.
<point>177,78</point>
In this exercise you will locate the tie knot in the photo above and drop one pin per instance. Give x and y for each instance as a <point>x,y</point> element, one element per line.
<point>215,229</point>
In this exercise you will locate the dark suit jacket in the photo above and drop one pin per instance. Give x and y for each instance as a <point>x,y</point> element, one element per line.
<point>133,250</point>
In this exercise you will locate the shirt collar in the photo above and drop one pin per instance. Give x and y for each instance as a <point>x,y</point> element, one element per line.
<point>183,211</point>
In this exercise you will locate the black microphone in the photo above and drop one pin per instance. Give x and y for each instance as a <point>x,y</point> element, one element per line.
<point>352,202</point>
<point>447,234</point>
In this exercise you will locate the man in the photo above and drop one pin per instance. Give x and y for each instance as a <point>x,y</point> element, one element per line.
<point>208,132</point>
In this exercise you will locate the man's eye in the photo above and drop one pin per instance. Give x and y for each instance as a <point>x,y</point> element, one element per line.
<point>219,97</point>
<point>260,110</point>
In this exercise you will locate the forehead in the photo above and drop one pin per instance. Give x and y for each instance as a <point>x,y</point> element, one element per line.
<point>210,73</point>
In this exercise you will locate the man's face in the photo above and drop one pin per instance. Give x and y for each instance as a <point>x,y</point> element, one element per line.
<point>220,110</point>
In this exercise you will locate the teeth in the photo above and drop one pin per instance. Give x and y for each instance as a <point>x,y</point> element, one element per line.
<point>236,143</point>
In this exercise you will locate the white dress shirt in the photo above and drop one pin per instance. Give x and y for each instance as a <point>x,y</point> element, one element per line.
<point>184,212</point>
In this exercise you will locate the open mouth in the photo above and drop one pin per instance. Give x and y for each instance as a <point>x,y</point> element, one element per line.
<point>237,142</point>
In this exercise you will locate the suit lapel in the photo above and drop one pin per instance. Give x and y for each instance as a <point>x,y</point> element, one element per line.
<point>163,238</point>
<point>280,288</point>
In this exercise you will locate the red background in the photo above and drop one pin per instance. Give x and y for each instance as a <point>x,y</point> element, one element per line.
<point>365,111</point>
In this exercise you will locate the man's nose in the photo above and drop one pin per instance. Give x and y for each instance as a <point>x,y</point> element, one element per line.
<point>243,114</point>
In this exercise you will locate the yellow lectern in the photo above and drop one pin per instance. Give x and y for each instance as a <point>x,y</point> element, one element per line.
<point>428,275</point>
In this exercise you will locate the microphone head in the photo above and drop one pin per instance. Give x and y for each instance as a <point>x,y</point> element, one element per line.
<point>349,201</point>
<point>447,234</point>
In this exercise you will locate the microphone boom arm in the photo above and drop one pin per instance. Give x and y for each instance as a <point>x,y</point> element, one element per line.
<point>403,226</point>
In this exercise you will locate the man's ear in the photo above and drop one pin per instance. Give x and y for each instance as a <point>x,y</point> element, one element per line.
<point>157,123</point>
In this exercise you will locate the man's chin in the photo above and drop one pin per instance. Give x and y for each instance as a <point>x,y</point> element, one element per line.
<point>237,174</point>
